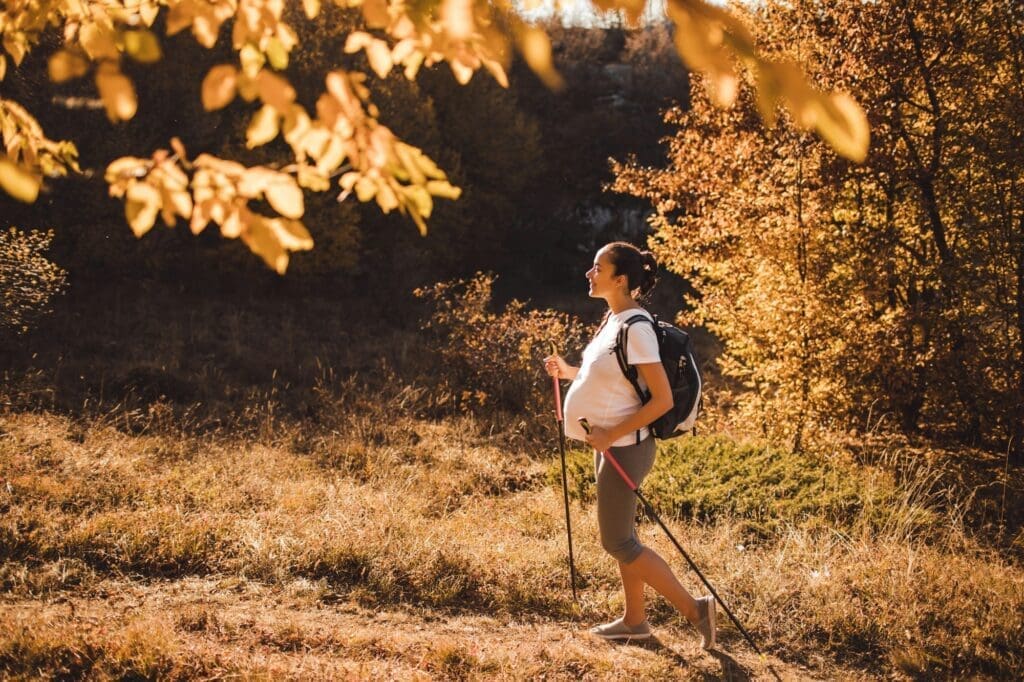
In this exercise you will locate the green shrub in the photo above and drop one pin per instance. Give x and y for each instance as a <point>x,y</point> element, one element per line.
<point>710,478</point>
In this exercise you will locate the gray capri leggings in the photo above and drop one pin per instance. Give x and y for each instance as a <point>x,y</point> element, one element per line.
<point>616,503</point>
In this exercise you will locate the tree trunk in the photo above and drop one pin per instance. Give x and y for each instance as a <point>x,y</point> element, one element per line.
<point>1017,433</point>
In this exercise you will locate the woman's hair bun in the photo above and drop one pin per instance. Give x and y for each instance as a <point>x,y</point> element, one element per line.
<point>640,267</point>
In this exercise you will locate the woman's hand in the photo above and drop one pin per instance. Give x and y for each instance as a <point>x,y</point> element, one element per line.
<point>556,366</point>
<point>599,439</point>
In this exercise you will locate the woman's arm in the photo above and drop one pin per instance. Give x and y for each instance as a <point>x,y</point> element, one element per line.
<point>660,403</point>
<point>556,366</point>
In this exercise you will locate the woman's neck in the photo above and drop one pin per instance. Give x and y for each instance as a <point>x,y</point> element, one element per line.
<point>618,303</point>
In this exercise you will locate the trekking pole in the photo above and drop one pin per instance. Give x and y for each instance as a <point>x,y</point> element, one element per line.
<point>607,454</point>
<point>565,483</point>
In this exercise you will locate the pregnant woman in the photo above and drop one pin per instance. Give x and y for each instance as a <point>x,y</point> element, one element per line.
<point>621,275</point>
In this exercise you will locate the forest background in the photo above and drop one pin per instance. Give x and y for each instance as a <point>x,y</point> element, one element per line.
<point>862,327</point>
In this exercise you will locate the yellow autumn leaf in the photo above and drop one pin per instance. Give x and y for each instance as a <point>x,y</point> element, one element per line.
<point>315,141</point>
<point>142,46</point>
<point>219,87</point>
<point>349,179</point>
<point>497,71</point>
<point>232,225</point>
<point>386,197</point>
<point>200,217</point>
<point>275,91</point>
<point>462,72</point>
<point>126,167</point>
<point>295,126</point>
<point>117,93</point>
<point>142,203</point>
<point>287,37</point>
<point>405,155</point>
<point>285,196</point>
<point>291,234</point>
<point>252,60</point>
<point>843,124</point>
<point>247,89</point>
<point>425,164</point>
<point>179,148</point>
<point>333,155</point>
<point>255,180</point>
<point>457,18</point>
<point>3,66</point>
<point>181,201</point>
<point>205,30</point>
<point>357,40</point>
<point>311,7</point>
<point>379,56</point>
<point>262,128</point>
<point>265,244</point>
<point>420,200</point>
<point>420,223</point>
<point>65,65</point>
<point>444,189</point>
<point>277,55</point>
<point>98,41</point>
<point>18,182</point>
<point>536,48</point>
<point>311,179</point>
<point>402,50</point>
<point>365,189</point>
<point>179,18</point>
<point>149,12</point>
<point>412,65</point>
<point>376,13</point>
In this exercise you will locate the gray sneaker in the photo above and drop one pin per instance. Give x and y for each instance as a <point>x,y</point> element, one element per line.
<point>706,624</point>
<point>619,630</point>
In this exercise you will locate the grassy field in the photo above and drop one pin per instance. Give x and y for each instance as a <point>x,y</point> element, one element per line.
<point>318,525</point>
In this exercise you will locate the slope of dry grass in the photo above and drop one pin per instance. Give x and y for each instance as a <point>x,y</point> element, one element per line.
<point>245,489</point>
<point>166,555</point>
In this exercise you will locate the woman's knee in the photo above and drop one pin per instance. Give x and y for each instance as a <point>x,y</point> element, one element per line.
<point>623,550</point>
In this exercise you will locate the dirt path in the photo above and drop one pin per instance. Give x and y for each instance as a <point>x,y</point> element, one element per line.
<point>210,629</point>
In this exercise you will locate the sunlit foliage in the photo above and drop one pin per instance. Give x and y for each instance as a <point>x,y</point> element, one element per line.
<point>28,280</point>
<point>340,144</point>
<point>851,295</point>
<point>488,357</point>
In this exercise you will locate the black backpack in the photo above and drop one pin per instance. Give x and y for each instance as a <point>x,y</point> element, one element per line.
<point>680,364</point>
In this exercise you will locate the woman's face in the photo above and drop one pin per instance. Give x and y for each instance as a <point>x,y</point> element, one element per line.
<point>602,277</point>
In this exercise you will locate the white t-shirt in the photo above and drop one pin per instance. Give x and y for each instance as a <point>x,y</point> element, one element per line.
<point>601,392</point>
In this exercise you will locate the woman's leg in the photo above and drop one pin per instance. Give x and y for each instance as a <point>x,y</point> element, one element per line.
<point>650,569</point>
<point>616,512</point>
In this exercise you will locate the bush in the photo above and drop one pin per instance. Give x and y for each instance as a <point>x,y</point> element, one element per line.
<point>714,478</point>
<point>28,280</point>
<point>492,361</point>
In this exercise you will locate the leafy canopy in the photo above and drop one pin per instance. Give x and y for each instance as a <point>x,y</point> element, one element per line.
<point>341,144</point>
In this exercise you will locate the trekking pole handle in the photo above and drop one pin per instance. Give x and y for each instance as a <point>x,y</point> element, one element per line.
<point>607,454</point>
<point>558,399</point>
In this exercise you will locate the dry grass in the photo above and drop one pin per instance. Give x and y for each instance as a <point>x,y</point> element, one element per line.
<point>173,507</point>
<point>165,556</point>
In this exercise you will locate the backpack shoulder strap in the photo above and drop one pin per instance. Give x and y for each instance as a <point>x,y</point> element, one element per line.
<point>628,370</point>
